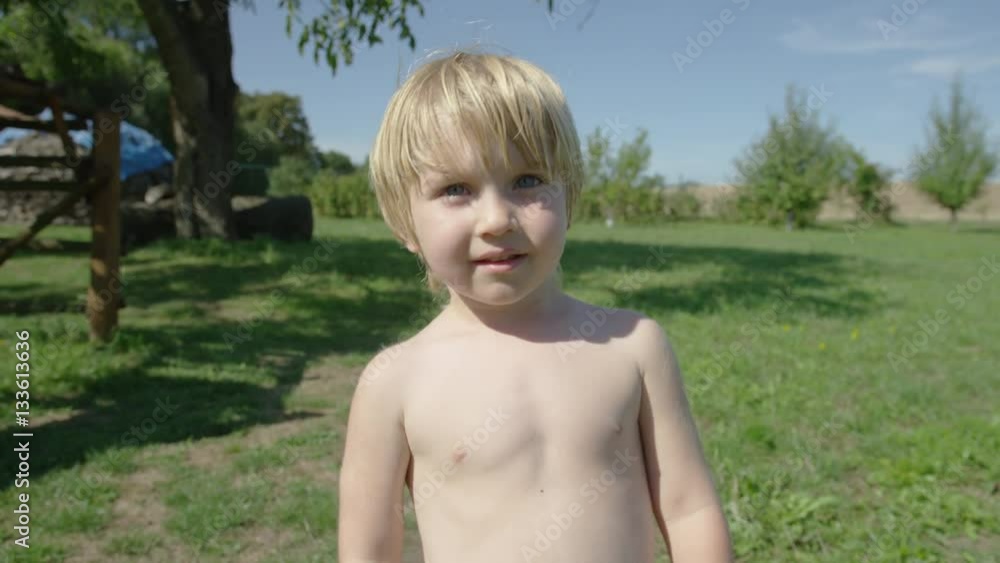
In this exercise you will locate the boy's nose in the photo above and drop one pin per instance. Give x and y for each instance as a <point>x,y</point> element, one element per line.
<point>496,214</point>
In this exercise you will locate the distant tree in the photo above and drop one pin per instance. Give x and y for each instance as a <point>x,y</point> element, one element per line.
<point>336,162</point>
<point>630,163</point>
<point>957,160</point>
<point>626,166</point>
<point>788,173</point>
<point>277,125</point>
<point>618,185</point>
<point>597,155</point>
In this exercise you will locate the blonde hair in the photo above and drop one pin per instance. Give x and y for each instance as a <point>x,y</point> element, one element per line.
<point>493,97</point>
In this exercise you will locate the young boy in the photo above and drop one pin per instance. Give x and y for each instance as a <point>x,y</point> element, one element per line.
<point>518,439</point>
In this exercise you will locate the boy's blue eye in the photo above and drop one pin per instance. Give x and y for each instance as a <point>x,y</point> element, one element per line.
<point>447,191</point>
<point>538,180</point>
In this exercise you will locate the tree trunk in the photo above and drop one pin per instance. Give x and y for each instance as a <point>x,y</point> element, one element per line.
<point>790,221</point>
<point>953,221</point>
<point>195,45</point>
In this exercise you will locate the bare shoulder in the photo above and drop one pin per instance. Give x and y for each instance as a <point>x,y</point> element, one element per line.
<point>639,336</point>
<point>385,367</point>
<point>649,332</point>
<point>393,367</point>
<point>629,325</point>
<point>646,340</point>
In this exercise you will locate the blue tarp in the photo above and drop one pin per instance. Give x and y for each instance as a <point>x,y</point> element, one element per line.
<point>140,149</point>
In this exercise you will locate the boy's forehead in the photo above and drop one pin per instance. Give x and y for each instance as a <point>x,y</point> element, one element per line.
<point>466,157</point>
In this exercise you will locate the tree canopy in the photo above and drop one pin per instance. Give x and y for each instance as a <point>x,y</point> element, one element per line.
<point>788,173</point>
<point>958,158</point>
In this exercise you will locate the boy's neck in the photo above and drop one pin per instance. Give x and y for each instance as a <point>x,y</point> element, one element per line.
<point>539,313</point>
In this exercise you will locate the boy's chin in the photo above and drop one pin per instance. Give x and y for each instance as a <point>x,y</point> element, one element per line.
<point>498,293</point>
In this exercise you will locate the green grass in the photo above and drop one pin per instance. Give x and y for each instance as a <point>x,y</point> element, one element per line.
<point>825,447</point>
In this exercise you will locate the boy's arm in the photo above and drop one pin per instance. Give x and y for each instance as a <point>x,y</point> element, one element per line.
<point>685,503</point>
<point>373,471</point>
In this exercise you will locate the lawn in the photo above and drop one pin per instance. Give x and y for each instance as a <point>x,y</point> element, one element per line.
<point>846,383</point>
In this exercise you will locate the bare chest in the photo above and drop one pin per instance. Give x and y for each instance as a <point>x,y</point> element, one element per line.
<point>481,412</point>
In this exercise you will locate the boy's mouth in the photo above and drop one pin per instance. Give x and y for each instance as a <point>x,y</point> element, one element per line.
<point>505,258</point>
<point>507,261</point>
<point>498,255</point>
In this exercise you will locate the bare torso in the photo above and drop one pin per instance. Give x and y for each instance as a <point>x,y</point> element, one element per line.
<point>527,450</point>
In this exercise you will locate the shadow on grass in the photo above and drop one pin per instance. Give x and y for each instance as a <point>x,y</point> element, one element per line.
<point>981,230</point>
<point>215,393</point>
<point>643,277</point>
<point>20,299</point>
<point>50,247</point>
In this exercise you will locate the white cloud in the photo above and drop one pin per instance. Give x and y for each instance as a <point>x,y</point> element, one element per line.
<point>873,37</point>
<point>946,67</point>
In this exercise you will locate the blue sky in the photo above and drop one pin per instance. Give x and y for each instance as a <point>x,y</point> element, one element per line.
<point>880,62</point>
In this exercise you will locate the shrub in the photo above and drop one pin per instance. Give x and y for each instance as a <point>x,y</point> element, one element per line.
<point>292,176</point>
<point>868,185</point>
<point>346,195</point>
<point>682,204</point>
<point>590,206</point>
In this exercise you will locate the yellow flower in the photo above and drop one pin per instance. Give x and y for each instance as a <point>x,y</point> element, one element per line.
<point>786,328</point>
<point>854,334</point>
<point>822,345</point>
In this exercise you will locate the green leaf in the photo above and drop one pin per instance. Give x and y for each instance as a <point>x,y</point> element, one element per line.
<point>303,39</point>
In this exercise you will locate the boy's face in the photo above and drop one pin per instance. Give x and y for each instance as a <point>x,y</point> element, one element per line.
<point>466,212</point>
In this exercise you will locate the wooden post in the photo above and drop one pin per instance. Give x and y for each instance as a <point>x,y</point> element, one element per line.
<point>104,295</point>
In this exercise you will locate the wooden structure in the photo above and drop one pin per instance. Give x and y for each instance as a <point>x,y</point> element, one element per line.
<point>96,175</point>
